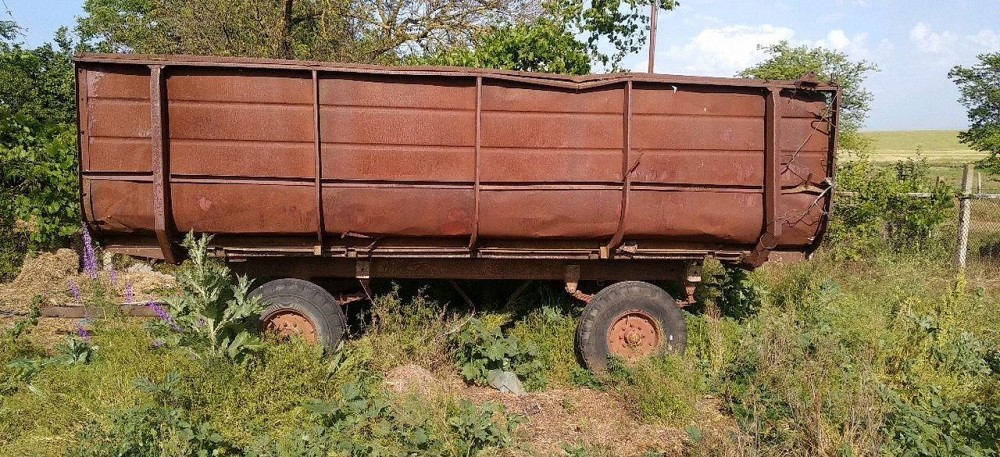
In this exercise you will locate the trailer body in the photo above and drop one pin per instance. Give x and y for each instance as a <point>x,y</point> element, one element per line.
<point>313,169</point>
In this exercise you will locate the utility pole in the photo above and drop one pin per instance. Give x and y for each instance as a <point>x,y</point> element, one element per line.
<point>654,10</point>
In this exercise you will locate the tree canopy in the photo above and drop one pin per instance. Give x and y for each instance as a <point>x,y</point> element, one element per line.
<point>979,86</point>
<point>785,61</point>
<point>564,38</point>
<point>544,35</point>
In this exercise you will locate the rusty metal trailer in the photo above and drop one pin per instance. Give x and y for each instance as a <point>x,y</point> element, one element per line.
<point>309,169</point>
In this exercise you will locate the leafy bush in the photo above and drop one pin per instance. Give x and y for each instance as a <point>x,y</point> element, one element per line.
<point>552,332</point>
<point>209,310</point>
<point>38,165</point>
<point>881,216</point>
<point>483,349</point>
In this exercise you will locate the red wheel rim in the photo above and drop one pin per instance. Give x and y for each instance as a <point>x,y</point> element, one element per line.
<point>286,324</point>
<point>634,335</point>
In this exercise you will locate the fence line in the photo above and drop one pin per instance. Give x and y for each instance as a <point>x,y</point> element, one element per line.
<point>978,223</point>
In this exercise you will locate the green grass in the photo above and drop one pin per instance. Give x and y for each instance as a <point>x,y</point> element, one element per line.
<point>880,356</point>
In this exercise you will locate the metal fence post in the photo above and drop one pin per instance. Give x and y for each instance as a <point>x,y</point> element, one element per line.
<point>965,213</point>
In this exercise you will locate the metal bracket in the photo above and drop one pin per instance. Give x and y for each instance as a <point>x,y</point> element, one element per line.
<point>362,272</point>
<point>691,280</point>
<point>572,279</point>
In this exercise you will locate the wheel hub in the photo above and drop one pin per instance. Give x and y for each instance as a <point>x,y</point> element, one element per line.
<point>286,324</point>
<point>634,335</point>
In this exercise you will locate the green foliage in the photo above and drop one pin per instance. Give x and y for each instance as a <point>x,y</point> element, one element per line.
<point>362,422</point>
<point>568,37</point>
<point>159,426</point>
<point>659,389</point>
<point>785,61</point>
<point>882,216</point>
<point>729,290</point>
<point>482,349</point>
<point>406,331</point>
<point>979,85</point>
<point>38,164</point>
<point>876,358</point>
<point>209,310</point>
<point>552,332</point>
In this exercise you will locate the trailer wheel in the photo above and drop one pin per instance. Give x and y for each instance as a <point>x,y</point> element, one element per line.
<point>631,320</point>
<point>301,308</point>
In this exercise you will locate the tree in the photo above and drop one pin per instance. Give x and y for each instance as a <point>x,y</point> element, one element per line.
<point>368,31</point>
<point>565,38</point>
<point>38,181</point>
<point>546,35</point>
<point>980,94</point>
<point>785,61</point>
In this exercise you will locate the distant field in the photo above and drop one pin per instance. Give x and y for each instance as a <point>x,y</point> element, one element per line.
<point>937,146</point>
<point>945,154</point>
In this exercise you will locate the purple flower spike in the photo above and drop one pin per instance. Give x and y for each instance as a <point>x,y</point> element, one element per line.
<point>74,290</point>
<point>158,343</point>
<point>89,257</point>
<point>82,332</point>
<point>129,296</point>
<point>165,316</point>
<point>114,277</point>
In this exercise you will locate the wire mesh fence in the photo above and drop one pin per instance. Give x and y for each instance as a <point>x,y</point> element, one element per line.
<point>983,235</point>
<point>972,233</point>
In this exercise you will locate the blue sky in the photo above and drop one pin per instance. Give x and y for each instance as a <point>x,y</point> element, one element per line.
<point>914,43</point>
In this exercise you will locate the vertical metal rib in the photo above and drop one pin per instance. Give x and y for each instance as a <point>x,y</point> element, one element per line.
<point>161,166</point>
<point>479,131</point>
<point>771,230</point>
<point>320,229</point>
<point>616,240</point>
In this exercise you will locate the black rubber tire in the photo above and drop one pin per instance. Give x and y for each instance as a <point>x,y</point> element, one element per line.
<point>311,301</point>
<point>610,303</point>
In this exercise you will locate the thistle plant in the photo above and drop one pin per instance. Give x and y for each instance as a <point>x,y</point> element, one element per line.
<point>210,309</point>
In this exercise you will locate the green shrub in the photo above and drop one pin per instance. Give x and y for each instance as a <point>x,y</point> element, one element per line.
<point>881,216</point>
<point>552,332</point>
<point>411,331</point>
<point>482,349</point>
<point>159,426</point>
<point>39,188</point>
<point>883,357</point>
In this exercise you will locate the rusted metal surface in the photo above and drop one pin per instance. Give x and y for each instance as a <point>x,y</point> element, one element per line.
<point>332,161</point>
<point>287,324</point>
<point>634,335</point>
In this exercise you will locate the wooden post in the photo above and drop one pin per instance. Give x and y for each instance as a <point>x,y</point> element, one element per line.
<point>965,213</point>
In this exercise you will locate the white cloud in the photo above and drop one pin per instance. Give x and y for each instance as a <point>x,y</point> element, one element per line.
<point>724,51</point>
<point>721,51</point>
<point>949,45</point>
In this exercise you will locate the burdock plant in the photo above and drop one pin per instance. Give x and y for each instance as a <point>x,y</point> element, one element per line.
<point>210,309</point>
